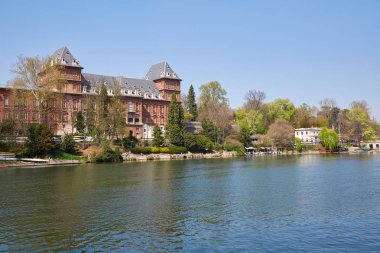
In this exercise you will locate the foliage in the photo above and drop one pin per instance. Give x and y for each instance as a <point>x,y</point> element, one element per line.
<point>282,133</point>
<point>102,106</point>
<point>233,145</point>
<point>212,93</point>
<point>79,123</point>
<point>298,144</point>
<point>130,141</point>
<point>158,139</point>
<point>253,120</point>
<point>37,78</point>
<point>329,138</point>
<point>8,127</point>
<point>360,121</point>
<point>175,126</point>
<point>245,136</point>
<point>210,130</point>
<point>108,155</point>
<point>40,141</point>
<point>192,106</point>
<point>116,113</point>
<point>197,143</point>
<point>166,150</point>
<point>68,144</point>
<point>303,116</point>
<point>280,109</point>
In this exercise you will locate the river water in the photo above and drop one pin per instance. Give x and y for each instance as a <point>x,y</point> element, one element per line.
<point>283,204</point>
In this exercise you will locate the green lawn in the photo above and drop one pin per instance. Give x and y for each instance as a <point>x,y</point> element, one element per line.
<point>67,156</point>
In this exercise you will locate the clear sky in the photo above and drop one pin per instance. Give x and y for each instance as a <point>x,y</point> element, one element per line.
<point>302,50</point>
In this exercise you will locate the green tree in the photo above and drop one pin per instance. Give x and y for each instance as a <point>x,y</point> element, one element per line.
<point>102,105</point>
<point>212,93</point>
<point>280,109</point>
<point>175,125</point>
<point>303,116</point>
<point>329,138</point>
<point>298,144</point>
<point>252,119</point>
<point>211,131</point>
<point>130,141</point>
<point>361,128</point>
<point>197,143</point>
<point>116,113</point>
<point>8,127</point>
<point>68,144</point>
<point>158,139</point>
<point>80,122</point>
<point>192,106</point>
<point>40,141</point>
<point>245,136</point>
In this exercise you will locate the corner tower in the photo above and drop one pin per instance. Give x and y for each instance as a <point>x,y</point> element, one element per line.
<point>166,80</point>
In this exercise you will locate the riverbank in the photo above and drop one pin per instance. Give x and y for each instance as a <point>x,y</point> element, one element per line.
<point>50,162</point>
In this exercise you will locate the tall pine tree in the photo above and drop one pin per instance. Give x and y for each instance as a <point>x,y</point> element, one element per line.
<point>158,139</point>
<point>175,125</point>
<point>192,106</point>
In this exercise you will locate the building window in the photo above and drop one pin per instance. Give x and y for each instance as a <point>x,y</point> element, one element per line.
<point>16,116</point>
<point>6,115</point>
<point>162,121</point>
<point>137,107</point>
<point>137,130</point>
<point>6,102</point>
<point>130,106</point>
<point>65,117</point>
<point>137,119</point>
<point>154,108</point>
<point>75,104</point>
<point>130,119</point>
<point>162,109</point>
<point>65,104</point>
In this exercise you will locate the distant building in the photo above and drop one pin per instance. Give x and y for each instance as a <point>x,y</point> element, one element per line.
<point>308,135</point>
<point>146,100</point>
<point>372,145</point>
<point>193,127</point>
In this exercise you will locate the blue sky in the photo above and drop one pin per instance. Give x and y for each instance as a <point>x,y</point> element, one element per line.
<point>301,50</point>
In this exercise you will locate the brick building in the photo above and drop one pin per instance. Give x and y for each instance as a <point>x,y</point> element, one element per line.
<point>145,100</point>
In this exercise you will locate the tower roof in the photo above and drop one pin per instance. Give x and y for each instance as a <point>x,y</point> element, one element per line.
<point>161,70</point>
<point>64,57</point>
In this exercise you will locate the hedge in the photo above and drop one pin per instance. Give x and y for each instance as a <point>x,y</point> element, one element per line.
<point>156,150</point>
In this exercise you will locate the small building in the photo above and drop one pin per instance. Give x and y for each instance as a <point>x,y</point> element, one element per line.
<point>193,127</point>
<point>372,145</point>
<point>308,135</point>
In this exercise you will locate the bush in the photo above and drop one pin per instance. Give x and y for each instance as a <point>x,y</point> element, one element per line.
<point>166,150</point>
<point>177,150</point>
<point>141,150</point>
<point>233,145</point>
<point>130,141</point>
<point>109,155</point>
<point>68,144</point>
<point>197,143</point>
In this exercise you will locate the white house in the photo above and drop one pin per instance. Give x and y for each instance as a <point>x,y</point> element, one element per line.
<point>372,145</point>
<point>308,135</point>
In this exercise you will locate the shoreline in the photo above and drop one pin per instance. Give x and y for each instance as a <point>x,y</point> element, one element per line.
<point>129,158</point>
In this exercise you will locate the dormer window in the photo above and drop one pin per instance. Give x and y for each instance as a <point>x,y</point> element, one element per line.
<point>167,74</point>
<point>110,92</point>
<point>162,74</point>
<point>84,89</point>
<point>174,75</point>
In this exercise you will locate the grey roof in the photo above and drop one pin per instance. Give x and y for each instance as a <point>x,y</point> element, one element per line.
<point>144,86</point>
<point>161,70</point>
<point>64,57</point>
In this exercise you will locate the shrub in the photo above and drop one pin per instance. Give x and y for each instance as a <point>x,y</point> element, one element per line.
<point>233,145</point>
<point>109,155</point>
<point>298,144</point>
<point>68,144</point>
<point>176,150</point>
<point>141,150</point>
<point>197,143</point>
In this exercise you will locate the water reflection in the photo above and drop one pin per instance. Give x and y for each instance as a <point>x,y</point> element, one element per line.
<point>290,203</point>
